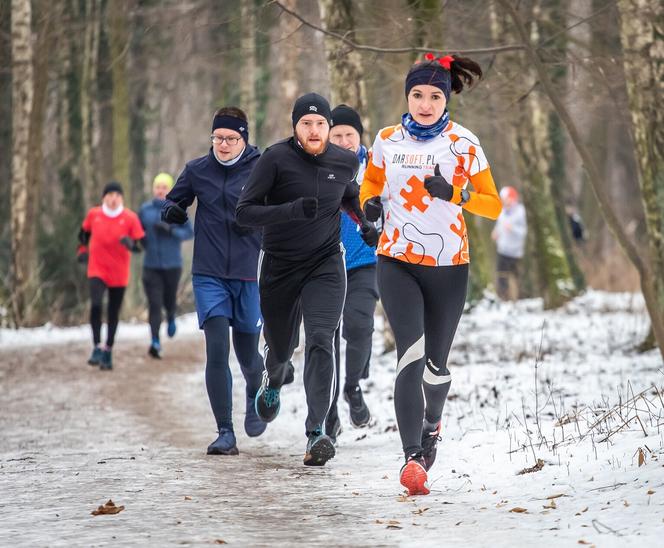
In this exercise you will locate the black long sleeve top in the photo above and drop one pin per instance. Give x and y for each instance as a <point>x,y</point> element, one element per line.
<point>282,175</point>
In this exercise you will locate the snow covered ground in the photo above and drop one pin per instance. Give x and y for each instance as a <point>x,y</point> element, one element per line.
<point>553,434</point>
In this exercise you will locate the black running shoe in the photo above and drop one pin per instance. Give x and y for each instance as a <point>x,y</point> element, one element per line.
<point>155,351</point>
<point>320,449</point>
<point>430,441</point>
<point>333,425</point>
<point>95,357</point>
<point>359,412</point>
<point>267,400</point>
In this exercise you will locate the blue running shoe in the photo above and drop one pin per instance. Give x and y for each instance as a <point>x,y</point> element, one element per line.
<point>253,425</point>
<point>320,449</point>
<point>106,363</point>
<point>224,444</point>
<point>172,328</point>
<point>267,400</point>
<point>95,357</point>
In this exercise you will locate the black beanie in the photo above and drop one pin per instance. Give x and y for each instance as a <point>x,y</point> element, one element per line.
<point>112,186</point>
<point>343,115</point>
<point>311,103</point>
<point>227,121</point>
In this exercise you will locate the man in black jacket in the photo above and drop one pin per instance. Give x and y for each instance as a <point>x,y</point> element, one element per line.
<point>295,192</point>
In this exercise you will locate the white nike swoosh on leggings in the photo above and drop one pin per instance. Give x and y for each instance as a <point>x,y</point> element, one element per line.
<point>414,353</point>
<point>430,378</point>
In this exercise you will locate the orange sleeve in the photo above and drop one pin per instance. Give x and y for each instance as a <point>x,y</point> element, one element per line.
<point>484,199</point>
<point>373,182</point>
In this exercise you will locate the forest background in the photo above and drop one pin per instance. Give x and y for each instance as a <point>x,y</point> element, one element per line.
<point>568,111</point>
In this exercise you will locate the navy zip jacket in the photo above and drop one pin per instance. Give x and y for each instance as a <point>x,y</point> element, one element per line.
<point>162,250</point>
<point>221,248</point>
<point>286,173</point>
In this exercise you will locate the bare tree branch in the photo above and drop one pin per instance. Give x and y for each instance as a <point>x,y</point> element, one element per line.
<point>376,49</point>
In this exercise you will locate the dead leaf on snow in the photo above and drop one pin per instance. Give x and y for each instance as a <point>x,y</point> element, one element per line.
<point>642,457</point>
<point>420,511</point>
<point>404,498</point>
<point>220,541</point>
<point>584,542</point>
<point>538,466</point>
<point>394,527</point>
<point>108,508</point>
<point>187,497</point>
<point>557,496</point>
<point>386,476</point>
<point>582,511</point>
<point>519,510</point>
<point>551,505</point>
<point>625,503</point>
<point>355,493</point>
<point>651,492</point>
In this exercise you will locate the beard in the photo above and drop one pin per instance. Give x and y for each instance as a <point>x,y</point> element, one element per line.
<point>313,148</point>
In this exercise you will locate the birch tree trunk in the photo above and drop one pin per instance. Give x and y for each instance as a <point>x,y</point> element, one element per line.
<point>642,28</point>
<point>22,104</point>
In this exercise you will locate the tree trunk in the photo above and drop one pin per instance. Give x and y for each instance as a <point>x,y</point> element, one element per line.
<point>22,104</point>
<point>248,83</point>
<point>603,200</point>
<point>118,21</point>
<point>641,36</point>
<point>344,64</point>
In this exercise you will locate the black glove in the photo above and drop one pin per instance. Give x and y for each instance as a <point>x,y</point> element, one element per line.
<point>163,227</point>
<point>127,242</point>
<point>241,231</point>
<point>437,186</point>
<point>305,208</point>
<point>373,209</point>
<point>369,234</point>
<point>173,213</point>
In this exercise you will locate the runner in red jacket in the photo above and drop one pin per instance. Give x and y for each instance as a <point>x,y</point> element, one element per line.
<point>110,232</point>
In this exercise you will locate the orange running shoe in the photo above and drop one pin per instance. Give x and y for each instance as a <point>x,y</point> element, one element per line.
<point>413,475</point>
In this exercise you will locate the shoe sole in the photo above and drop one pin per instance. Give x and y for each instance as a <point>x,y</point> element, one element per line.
<point>229,452</point>
<point>93,363</point>
<point>414,478</point>
<point>263,418</point>
<point>321,452</point>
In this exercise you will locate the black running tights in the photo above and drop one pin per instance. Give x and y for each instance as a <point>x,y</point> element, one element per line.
<point>423,305</point>
<point>115,296</point>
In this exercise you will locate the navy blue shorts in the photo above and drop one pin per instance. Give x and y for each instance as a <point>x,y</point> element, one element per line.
<point>237,300</point>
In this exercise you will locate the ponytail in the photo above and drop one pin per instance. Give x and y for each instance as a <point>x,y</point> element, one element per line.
<point>464,71</point>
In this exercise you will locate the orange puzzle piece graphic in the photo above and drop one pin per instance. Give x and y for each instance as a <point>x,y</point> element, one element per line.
<point>463,256</point>
<point>414,196</point>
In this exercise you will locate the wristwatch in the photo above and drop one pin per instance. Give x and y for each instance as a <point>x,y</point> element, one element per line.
<point>465,196</point>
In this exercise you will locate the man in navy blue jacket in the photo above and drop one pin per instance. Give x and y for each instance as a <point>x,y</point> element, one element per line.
<point>224,268</point>
<point>162,264</point>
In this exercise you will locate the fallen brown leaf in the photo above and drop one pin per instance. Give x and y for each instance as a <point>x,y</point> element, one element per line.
<point>220,541</point>
<point>394,527</point>
<point>108,508</point>
<point>420,511</point>
<point>187,498</point>
<point>584,542</point>
<point>519,510</point>
<point>651,492</point>
<point>551,505</point>
<point>625,503</point>
<point>642,457</point>
<point>538,466</point>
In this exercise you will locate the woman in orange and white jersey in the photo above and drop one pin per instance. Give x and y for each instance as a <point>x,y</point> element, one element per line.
<point>428,164</point>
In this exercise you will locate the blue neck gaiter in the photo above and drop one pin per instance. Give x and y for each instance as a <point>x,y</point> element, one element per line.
<point>424,133</point>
